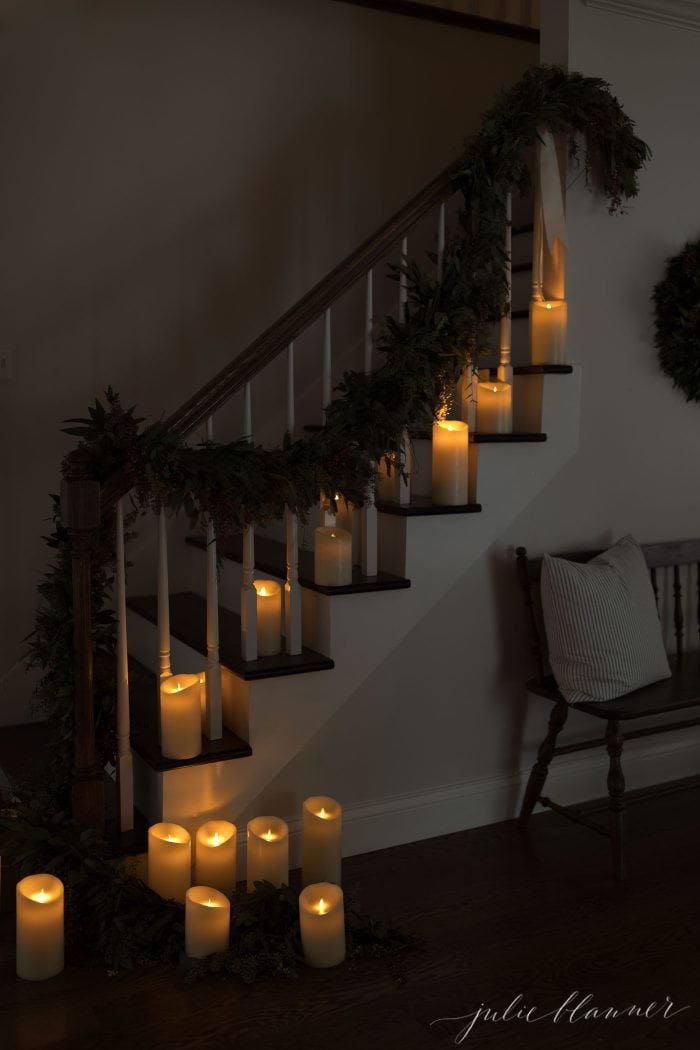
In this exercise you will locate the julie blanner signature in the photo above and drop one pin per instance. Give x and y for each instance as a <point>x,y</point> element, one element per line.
<point>575,1008</point>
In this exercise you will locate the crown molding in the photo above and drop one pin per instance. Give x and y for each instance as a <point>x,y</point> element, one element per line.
<point>683,14</point>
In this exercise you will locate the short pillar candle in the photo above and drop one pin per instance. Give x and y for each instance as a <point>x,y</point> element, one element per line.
<point>494,413</point>
<point>267,859</point>
<point>39,927</point>
<point>450,486</point>
<point>332,557</point>
<point>548,318</point>
<point>269,616</point>
<point>215,856</point>
<point>321,851</point>
<point>207,922</point>
<point>169,860</point>
<point>322,924</point>
<point>181,716</point>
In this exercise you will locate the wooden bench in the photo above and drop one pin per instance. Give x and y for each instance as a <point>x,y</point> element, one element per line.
<point>679,692</point>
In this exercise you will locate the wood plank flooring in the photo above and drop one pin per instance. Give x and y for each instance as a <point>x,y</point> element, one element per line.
<point>499,915</point>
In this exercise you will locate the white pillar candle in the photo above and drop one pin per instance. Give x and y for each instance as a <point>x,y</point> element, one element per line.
<point>268,852</point>
<point>207,922</point>
<point>203,698</point>
<point>494,414</point>
<point>322,924</point>
<point>450,463</point>
<point>548,331</point>
<point>332,557</point>
<point>269,615</point>
<point>321,840</point>
<point>215,856</point>
<point>39,927</point>
<point>180,716</point>
<point>169,860</point>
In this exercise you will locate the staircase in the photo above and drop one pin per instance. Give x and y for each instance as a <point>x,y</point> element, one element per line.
<point>408,552</point>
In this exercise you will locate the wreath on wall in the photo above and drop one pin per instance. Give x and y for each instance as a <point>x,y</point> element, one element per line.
<point>677,320</point>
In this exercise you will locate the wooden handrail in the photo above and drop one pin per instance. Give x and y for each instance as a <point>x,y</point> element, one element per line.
<point>446,16</point>
<point>296,320</point>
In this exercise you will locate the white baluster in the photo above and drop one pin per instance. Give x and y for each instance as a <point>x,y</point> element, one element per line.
<point>538,245</point>
<point>213,722</point>
<point>249,609</point>
<point>125,771</point>
<point>327,365</point>
<point>441,241</point>
<point>505,367</point>
<point>163,602</point>
<point>368,517</point>
<point>292,590</point>
<point>327,514</point>
<point>403,484</point>
<point>369,314</point>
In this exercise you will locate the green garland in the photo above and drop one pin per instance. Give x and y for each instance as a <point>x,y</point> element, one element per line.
<point>445,328</point>
<point>677,320</point>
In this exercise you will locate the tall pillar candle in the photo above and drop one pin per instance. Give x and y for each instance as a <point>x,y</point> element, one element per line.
<point>269,616</point>
<point>267,852</point>
<point>332,557</point>
<point>322,924</point>
<point>169,860</point>
<point>321,850</point>
<point>450,463</point>
<point>39,927</point>
<point>494,413</point>
<point>548,319</point>
<point>207,922</point>
<point>203,698</point>
<point>181,716</point>
<point>215,856</point>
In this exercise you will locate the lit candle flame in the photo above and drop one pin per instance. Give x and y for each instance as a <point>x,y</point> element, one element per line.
<point>268,835</point>
<point>210,903</point>
<point>333,536</point>
<point>323,815</point>
<point>323,906</point>
<point>337,495</point>
<point>171,839</point>
<point>215,840</point>
<point>42,896</point>
<point>549,306</point>
<point>263,592</point>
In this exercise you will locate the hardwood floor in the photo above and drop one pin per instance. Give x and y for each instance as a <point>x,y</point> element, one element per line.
<point>500,915</point>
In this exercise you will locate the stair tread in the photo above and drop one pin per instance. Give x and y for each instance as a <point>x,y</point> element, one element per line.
<point>271,557</point>
<point>188,623</point>
<point>143,704</point>
<point>421,506</point>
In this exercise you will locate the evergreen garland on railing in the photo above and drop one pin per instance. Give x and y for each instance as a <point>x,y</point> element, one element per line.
<point>445,327</point>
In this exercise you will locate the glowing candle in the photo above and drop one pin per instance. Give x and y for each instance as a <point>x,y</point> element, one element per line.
<point>548,331</point>
<point>322,924</point>
<point>494,414</point>
<point>450,463</point>
<point>180,716</point>
<point>332,557</point>
<point>203,698</point>
<point>268,852</point>
<point>215,856</point>
<point>321,840</point>
<point>207,922</point>
<point>169,860</point>
<point>39,927</point>
<point>269,608</point>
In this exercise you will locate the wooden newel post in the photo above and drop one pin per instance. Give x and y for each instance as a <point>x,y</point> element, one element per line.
<point>80,512</point>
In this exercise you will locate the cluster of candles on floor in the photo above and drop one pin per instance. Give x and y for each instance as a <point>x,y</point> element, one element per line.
<point>40,919</point>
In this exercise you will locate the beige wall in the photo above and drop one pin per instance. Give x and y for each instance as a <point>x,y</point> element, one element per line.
<point>174,175</point>
<point>448,705</point>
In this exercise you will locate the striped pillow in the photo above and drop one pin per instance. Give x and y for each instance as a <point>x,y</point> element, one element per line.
<point>602,626</point>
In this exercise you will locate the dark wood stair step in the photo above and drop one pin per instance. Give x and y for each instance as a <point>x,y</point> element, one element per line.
<point>271,555</point>
<point>143,702</point>
<point>422,506</point>
<point>188,623</point>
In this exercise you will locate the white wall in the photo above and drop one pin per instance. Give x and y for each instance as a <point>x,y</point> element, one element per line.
<point>174,176</point>
<point>447,707</point>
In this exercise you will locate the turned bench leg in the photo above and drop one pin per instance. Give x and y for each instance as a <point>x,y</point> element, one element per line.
<point>541,766</point>
<point>616,791</point>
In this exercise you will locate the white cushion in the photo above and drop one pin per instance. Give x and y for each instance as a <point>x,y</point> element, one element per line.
<point>602,626</point>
